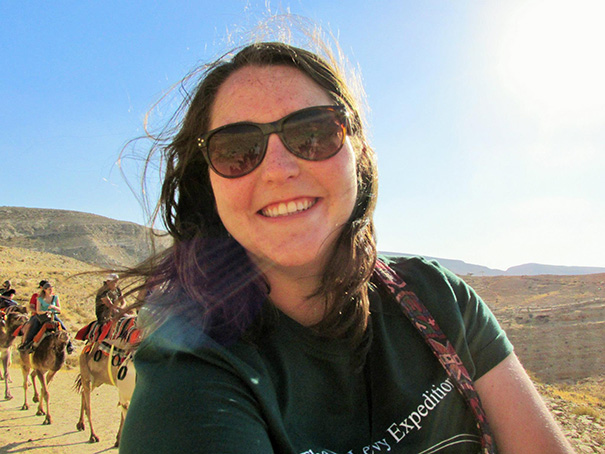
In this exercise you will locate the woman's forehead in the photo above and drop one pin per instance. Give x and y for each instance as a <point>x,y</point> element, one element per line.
<point>264,94</point>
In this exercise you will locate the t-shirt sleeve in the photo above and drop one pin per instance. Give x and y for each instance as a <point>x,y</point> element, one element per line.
<point>462,315</point>
<point>487,341</point>
<point>184,404</point>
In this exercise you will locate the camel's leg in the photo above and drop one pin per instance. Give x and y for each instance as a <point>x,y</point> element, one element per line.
<point>80,425</point>
<point>43,394</point>
<point>86,390</point>
<point>7,380</point>
<point>123,410</point>
<point>50,375</point>
<point>42,380</point>
<point>47,381</point>
<point>25,371</point>
<point>7,364</point>
<point>36,397</point>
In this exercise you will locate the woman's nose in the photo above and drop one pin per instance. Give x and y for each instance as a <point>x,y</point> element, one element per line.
<point>279,164</point>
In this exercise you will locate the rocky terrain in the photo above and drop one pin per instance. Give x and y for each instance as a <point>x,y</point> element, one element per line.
<point>87,237</point>
<point>557,323</point>
<point>580,410</point>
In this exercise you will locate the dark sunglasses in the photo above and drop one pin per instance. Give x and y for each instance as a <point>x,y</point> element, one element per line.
<point>314,134</point>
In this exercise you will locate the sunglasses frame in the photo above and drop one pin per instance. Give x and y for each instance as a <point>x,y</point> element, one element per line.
<point>275,127</point>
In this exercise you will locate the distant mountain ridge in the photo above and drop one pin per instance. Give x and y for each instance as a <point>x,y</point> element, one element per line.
<point>86,237</point>
<point>106,242</point>
<point>529,269</point>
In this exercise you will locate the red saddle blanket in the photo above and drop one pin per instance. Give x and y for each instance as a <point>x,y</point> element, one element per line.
<point>123,328</point>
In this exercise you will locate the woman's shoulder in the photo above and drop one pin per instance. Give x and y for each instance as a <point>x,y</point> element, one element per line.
<point>414,269</point>
<point>176,336</point>
<point>430,280</point>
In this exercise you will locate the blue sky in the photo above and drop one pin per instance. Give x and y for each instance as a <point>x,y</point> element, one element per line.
<point>488,117</point>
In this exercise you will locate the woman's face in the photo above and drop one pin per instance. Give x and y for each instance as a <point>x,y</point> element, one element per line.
<point>287,212</point>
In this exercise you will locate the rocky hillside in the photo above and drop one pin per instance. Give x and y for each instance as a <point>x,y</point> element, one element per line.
<point>557,323</point>
<point>86,237</point>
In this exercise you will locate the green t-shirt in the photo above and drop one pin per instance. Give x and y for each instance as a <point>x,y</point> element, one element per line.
<point>294,392</point>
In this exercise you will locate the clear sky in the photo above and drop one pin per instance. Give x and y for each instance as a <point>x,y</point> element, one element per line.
<point>488,117</point>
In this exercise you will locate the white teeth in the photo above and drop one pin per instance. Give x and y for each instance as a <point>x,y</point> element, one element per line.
<point>283,209</point>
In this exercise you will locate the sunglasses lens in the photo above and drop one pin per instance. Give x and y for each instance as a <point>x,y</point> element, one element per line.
<point>236,150</point>
<point>315,134</point>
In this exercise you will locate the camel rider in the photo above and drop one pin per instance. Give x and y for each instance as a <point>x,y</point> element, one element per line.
<point>6,295</point>
<point>6,300</point>
<point>47,304</point>
<point>109,300</point>
<point>33,303</point>
<point>6,286</point>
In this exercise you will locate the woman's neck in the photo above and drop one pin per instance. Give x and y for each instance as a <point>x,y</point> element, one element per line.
<point>290,292</point>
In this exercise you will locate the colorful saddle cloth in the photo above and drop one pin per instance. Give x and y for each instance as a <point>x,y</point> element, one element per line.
<point>124,328</point>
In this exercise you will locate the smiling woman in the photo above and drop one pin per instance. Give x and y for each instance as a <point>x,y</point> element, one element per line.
<point>552,57</point>
<point>276,328</point>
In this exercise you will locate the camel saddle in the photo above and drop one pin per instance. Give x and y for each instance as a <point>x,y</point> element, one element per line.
<point>46,329</point>
<point>124,328</point>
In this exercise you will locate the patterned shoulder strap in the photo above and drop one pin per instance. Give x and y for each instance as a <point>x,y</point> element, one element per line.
<point>426,325</point>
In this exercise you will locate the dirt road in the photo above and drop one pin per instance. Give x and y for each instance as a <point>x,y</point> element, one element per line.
<point>22,431</point>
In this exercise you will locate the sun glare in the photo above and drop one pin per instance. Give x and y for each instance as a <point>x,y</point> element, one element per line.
<point>553,56</point>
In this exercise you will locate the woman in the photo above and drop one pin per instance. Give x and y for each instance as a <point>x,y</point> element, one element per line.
<point>47,307</point>
<point>275,327</point>
<point>32,306</point>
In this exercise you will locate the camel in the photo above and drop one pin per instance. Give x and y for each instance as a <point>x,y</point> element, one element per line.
<point>46,360</point>
<point>12,319</point>
<point>108,361</point>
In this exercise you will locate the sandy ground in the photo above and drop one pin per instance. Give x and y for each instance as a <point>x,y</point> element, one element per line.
<point>21,431</point>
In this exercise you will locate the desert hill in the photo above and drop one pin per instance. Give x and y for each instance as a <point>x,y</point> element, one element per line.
<point>87,237</point>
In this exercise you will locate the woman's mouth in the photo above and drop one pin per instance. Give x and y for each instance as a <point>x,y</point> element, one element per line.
<point>288,208</point>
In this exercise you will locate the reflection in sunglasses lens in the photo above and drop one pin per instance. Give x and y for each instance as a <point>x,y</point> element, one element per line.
<point>313,134</point>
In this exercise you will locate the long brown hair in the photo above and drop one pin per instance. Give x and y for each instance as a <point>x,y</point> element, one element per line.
<point>206,273</point>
